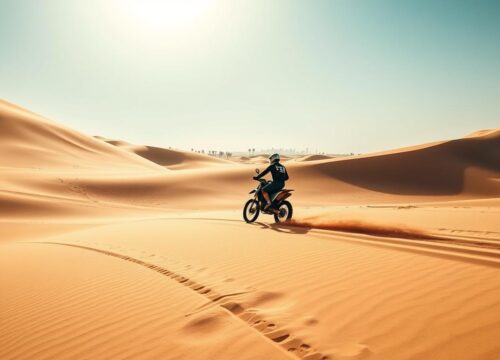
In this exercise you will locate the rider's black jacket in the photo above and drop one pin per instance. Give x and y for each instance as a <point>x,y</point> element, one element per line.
<point>278,172</point>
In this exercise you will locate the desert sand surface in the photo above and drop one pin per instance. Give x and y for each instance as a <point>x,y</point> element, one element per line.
<point>110,250</point>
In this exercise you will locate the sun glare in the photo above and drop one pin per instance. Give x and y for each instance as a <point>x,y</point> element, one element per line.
<point>166,13</point>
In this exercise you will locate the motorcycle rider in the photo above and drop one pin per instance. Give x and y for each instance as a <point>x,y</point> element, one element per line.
<point>279,174</point>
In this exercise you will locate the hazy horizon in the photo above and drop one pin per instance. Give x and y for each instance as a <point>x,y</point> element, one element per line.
<point>331,76</point>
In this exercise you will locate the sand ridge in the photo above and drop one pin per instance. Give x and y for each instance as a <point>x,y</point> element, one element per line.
<point>31,141</point>
<point>170,158</point>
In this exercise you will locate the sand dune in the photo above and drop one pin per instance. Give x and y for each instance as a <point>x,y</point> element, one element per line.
<point>458,169</point>
<point>29,140</point>
<point>485,132</point>
<point>119,143</point>
<point>172,159</point>
<point>466,172</point>
<point>462,167</point>
<point>261,159</point>
<point>313,157</point>
<point>466,168</point>
<point>110,250</point>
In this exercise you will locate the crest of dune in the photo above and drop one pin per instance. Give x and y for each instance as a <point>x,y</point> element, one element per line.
<point>28,140</point>
<point>313,157</point>
<point>466,167</point>
<point>170,158</point>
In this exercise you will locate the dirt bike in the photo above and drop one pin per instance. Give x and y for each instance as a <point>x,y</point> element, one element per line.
<point>280,208</point>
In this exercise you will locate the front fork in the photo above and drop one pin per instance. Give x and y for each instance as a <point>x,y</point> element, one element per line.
<point>256,203</point>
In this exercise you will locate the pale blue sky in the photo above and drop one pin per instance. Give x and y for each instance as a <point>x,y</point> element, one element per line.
<point>337,76</point>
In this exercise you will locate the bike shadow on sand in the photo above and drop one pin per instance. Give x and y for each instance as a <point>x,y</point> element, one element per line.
<point>283,228</point>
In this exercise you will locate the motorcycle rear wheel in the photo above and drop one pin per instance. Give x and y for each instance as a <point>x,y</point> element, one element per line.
<point>285,212</point>
<point>251,211</point>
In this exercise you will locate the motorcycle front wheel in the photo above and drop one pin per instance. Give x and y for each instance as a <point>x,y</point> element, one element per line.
<point>251,211</point>
<point>285,212</point>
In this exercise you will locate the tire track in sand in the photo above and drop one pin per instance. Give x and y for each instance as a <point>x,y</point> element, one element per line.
<point>275,332</point>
